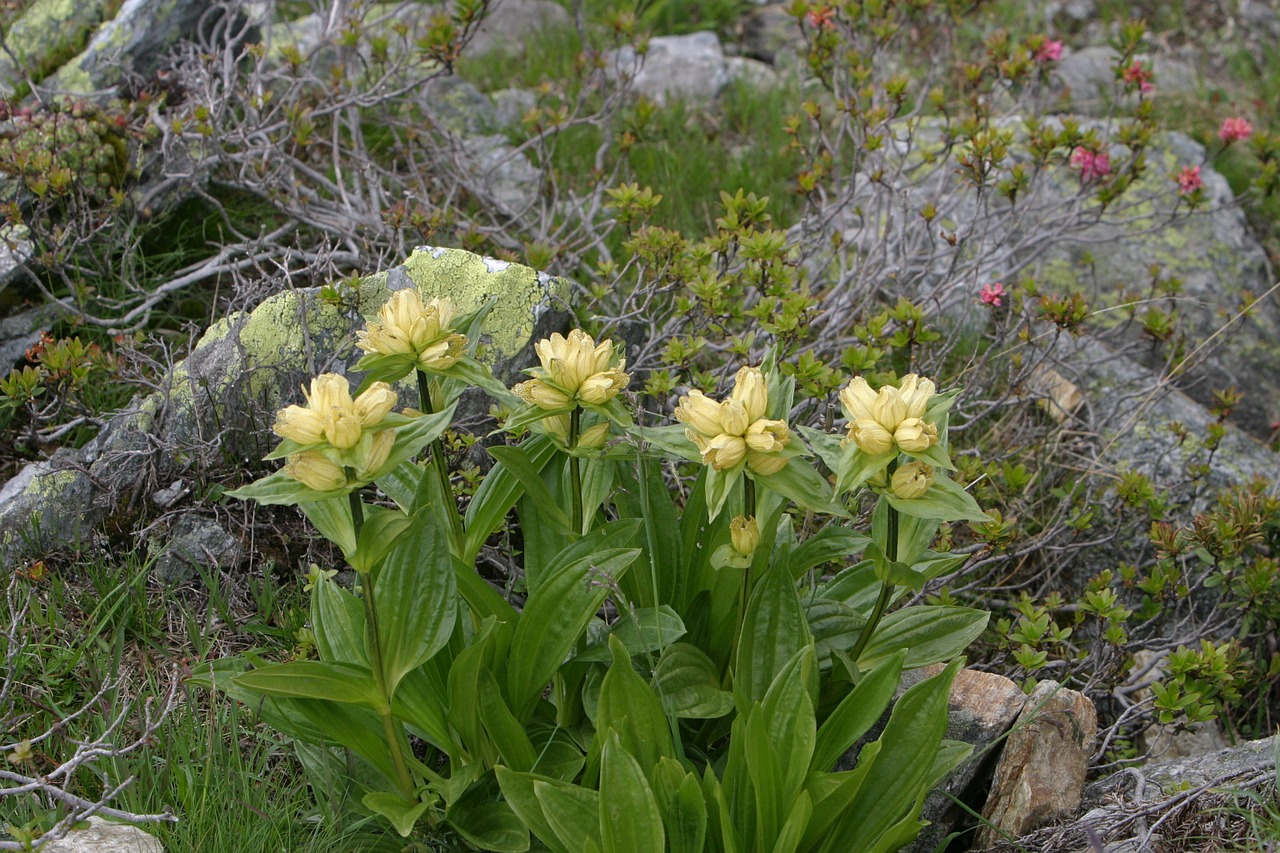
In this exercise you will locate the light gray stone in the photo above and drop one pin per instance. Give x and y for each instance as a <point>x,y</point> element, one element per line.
<point>511,23</point>
<point>1087,78</point>
<point>690,67</point>
<point>510,180</point>
<point>1041,773</point>
<point>510,106</point>
<point>769,32</point>
<point>101,836</point>
<point>16,249</point>
<point>193,543</point>
<point>32,40</point>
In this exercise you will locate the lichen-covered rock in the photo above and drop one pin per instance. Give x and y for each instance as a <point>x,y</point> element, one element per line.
<point>101,836</point>
<point>217,404</point>
<point>191,544</point>
<point>47,34</point>
<point>1041,773</point>
<point>16,249</point>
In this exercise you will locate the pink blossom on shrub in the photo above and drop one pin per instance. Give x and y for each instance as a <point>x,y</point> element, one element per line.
<point>822,17</point>
<point>1050,51</point>
<point>1092,164</point>
<point>992,294</point>
<point>1189,180</point>
<point>1137,75</point>
<point>1234,129</point>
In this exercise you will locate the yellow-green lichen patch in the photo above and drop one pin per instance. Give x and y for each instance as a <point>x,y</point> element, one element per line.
<point>48,34</point>
<point>472,281</point>
<point>49,486</point>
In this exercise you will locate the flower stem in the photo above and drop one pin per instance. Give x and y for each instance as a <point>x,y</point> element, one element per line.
<point>886,591</point>
<point>388,722</point>
<point>442,471</point>
<point>575,470</point>
<point>357,511</point>
<point>744,591</point>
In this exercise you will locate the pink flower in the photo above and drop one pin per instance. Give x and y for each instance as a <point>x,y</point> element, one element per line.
<point>1234,129</point>
<point>1092,164</point>
<point>1136,75</point>
<point>1050,51</point>
<point>822,18</point>
<point>1189,180</point>
<point>992,294</point>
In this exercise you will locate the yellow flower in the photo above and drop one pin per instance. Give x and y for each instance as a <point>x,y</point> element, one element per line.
<point>375,455</point>
<point>375,403</point>
<point>594,438</point>
<point>915,436</point>
<point>744,535</point>
<point>342,426</point>
<point>889,408</point>
<point>752,391</point>
<point>916,393</point>
<point>315,471</point>
<point>574,368</point>
<point>912,480</point>
<point>406,326</point>
<point>299,424</point>
<point>727,432</point>
<point>870,436</point>
<point>858,398</point>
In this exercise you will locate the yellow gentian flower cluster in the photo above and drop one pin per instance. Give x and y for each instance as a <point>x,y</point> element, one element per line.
<point>416,331</point>
<point>342,436</point>
<point>893,416</point>
<point>574,369</point>
<point>733,429</point>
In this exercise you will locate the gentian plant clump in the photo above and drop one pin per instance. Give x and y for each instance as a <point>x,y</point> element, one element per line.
<point>690,666</point>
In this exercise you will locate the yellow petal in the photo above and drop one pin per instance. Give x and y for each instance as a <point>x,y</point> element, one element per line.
<point>889,408</point>
<point>767,436</point>
<point>871,437</point>
<point>299,424</point>
<point>699,412</point>
<point>765,463</point>
<point>724,451</point>
<point>744,535</point>
<point>857,399</point>
<point>752,391</point>
<point>733,417</point>
<point>915,436</point>
<point>375,403</point>
<point>315,471</point>
<point>912,481</point>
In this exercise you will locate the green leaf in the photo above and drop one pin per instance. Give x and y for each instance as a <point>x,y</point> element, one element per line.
<point>523,468</point>
<point>797,821</point>
<point>482,656</point>
<point>497,494</point>
<point>647,629</point>
<point>416,601</point>
<point>644,494</point>
<point>415,433</point>
<point>831,794</point>
<point>831,544</point>
<point>519,792</point>
<point>554,618</point>
<point>945,501</point>
<point>559,755</point>
<point>403,814</point>
<point>860,709</point>
<point>629,818</point>
<point>834,626</point>
<point>774,629</point>
<point>856,467</point>
<point>788,723</point>
<point>332,517</point>
<point>279,489</point>
<point>671,440</point>
<point>419,701</point>
<point>488,824</point>
<point>804,487</point>
<point>615,534</point>
<point>688,684</point>
<point>630,708</point>
<point>930,634</point>
<point>572,812</point>
<point>719,817</point>
<point>513,744</point>
<point>313,679</point>
<point>856,587</point>
<point>829,448</point>
<point>382,527</point>
<point>721,484</point>
<point>401,484</point>
<point>484,600</point>
<point>337,618</point>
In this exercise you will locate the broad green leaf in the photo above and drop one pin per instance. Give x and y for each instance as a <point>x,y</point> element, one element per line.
<point>856,467</point>
<point>416,601</point>
<point>930,634</point>
<point>419,701</point>
<point>644,494</point>
<point>313,679</point>
<point>559,755</point>
<point>688,684</point>
<point>615,534</point>
<point>857,587</point>
<point>415,433</point>
<point>572,812</point>
<point>403,814</point>
<point>355,728</point>
<point>834,625</point>
<point>629,818</point>
<point>513,744</point>
<point>629,708</point>
<point>464,686</point>
<point>488,824</point>
<point>483,600</point>
<point>830,544</point>
<point>332,517</point>
<point>831,794</point>
<point>860,709</point>
<point>401,484</point>
<point>719,819</point>
<point>524,469</point>
<point>945,501</point>
<point>597,482</point>
<point>518,790</point>
<point>382,527</point>
<point>337,619</point>
<point>648,629</point>
<point>827,447</point>
<point>720,485</point>
<point>774,629</point>
<point>805,487</point>
<point>763,765</point>
<point>278,488</point>
<point>685,817</point>
<point>797,821</point>
<point>788,717</point>
<point>553,620</point>
<point>497,494</point>
<point>895,787</point>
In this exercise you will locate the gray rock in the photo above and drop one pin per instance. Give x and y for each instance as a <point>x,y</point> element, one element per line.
<point>103,837</point>
<point>511,23</point>
<point>194,543</point>
<point>689,67</point>
<point>16,249</point>
<point>770,31</point>
<point>505,174</point>
<point>218,402</point>
<point>1041,773</point>
<point>20,332</point>
<point>1087,78</point>
<point>750,72</point>
<point>510,106</point>
<point>456,106</point>
<point>32,42</point>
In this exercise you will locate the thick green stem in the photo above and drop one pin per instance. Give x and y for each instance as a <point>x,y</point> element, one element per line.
<point>575,470</point>
<point>744,591</point>
<point>442,470</point>
<point>389,727</point>
<point>357,510</point>
<point>886,591</point>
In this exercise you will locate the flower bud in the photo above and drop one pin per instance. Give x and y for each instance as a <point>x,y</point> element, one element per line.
<point>744,534</point>
<point>858,399</point>
<point>315,471</point>
<point>915,436</point>
<point>916,393</point>
<point>375,403</point>
<point>443,354</point>
<point>299,424</point>
<point>733,417</point>
<point>557,427</point>
<point>342,426</point>
<point>751,390</point>
<point>768,436</point>
<point>889,408</point>
<point>871,437</point>
<point>540,394</point>
<point>724,451</point>
<point>700,413</point>
<point>765,463</point>
<point>328,390</point>
<point>594,438</point>
<point>602,387</point>
<point>379,448</point>
<point>912,480</point>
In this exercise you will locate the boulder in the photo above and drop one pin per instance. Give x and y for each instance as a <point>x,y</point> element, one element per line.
<point>192,544</point>
<point>47,34</point>
<point>101,836</point>
<point>217,404</point>
<point>689,67</point>
<point>1041,773</point>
